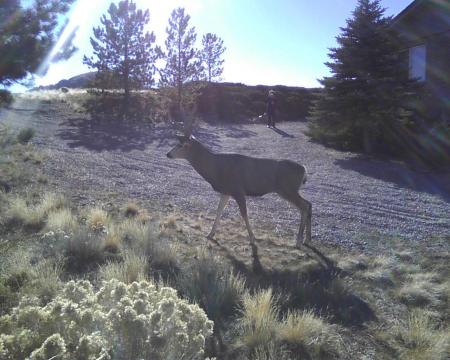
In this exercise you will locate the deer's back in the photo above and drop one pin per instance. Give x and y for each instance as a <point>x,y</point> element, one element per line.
<point>240,174</point>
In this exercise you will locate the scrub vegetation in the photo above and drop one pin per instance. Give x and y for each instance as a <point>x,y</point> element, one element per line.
<point>149,278</point>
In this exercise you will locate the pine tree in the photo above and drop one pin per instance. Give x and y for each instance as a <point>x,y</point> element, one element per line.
<point>27,35</point>
<point>182,63</point>
<point>210,56</point>
<point>124,55</point>
<point>362,102</point>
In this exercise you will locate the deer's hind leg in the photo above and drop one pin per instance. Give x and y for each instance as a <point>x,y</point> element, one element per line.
<point>305,208</point>
<point>240,199</point>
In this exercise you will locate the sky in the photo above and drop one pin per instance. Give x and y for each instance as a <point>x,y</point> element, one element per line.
<point>269,42</point>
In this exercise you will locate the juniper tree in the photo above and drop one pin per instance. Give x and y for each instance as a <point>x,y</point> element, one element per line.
<point>181,56</point>
<point>27,35</point>
<point>362,102</point>
<point>210,56</point>
<point>124,53</point>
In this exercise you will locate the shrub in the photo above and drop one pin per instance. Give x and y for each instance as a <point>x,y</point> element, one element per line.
<point>119,321</point>
<point>25,135</point>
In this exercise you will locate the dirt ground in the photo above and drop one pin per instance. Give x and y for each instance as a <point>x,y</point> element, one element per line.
<point>357,201</point>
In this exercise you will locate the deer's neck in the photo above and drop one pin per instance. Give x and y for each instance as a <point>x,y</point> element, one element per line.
<point>203,161</point>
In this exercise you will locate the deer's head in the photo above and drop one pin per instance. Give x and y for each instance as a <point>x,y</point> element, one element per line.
<point>183,149</point>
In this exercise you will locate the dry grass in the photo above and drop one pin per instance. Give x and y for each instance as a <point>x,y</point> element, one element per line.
<point>47,280</point>
<point>112,241</point>
<point>259,319</point>
<point>422,289</point>
<point>419,338</point>
<point>97,219</point>
<point>84,249</point>
<point>133,268</point>
<point>131,209</point>
<point>34,216</point>
<point>62,220</point>
<point>212,284</point>
<point>306,330</point>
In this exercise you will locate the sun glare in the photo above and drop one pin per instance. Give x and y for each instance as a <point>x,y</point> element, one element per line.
<point>77,19</point>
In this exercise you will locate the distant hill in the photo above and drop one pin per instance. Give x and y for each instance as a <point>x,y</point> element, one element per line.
<point>78,82</point>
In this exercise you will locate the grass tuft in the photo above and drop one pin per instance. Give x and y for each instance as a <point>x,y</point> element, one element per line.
<point>97,219</point>
<point>132,268</point>
<point>62,220</point>
<point>259,318</point>
<point>419,338</point>
<point>84,250</point>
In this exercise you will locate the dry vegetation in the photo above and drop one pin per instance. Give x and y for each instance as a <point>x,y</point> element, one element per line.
<point>398,301</point>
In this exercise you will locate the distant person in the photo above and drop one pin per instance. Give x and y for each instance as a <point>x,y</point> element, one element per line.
<point>271,103</point>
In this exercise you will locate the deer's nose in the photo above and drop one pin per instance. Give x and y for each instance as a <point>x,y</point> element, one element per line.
<point>169,155</point>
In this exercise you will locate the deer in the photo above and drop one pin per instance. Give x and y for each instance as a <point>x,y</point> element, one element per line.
<point>237,176</point>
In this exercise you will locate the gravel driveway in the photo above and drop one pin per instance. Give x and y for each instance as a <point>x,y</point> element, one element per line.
<point>355,199</point>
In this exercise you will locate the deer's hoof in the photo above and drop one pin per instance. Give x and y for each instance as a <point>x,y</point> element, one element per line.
<point>210,236</point>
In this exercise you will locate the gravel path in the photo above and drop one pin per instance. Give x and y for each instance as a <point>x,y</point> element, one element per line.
<point>355,199</point>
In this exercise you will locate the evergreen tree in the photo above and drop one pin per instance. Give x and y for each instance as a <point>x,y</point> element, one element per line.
<point>27,35</point>
<point>124,55</point>
<point>210,56</point>
<point>362,103</point>
<point>182,63</point>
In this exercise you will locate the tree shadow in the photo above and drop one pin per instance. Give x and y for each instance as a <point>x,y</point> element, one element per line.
<point>282,133</point>
<point>400,175</point>
<point>97,135</point>
<point>322,289</point>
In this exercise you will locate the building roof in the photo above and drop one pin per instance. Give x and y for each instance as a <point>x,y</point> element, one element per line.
<point>408,9</point>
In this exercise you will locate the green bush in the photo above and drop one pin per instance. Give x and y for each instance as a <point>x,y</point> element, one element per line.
<point>118,321</point>
<point>25,135</point>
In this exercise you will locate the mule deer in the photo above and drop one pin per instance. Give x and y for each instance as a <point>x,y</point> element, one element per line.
<point>238,176</point>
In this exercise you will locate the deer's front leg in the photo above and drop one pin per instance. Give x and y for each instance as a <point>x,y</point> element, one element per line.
<point>222,203</point>
<point>243,209</point>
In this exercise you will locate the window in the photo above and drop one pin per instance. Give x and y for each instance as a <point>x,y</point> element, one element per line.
<point>417,62</point>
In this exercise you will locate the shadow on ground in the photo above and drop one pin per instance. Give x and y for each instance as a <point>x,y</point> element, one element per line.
<point>283,133</point>
<point>322,288</point>
<point>398,174</point>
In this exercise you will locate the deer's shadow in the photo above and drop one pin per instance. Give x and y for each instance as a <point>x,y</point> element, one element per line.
<point>282,133</point>
<point>322,289</point>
